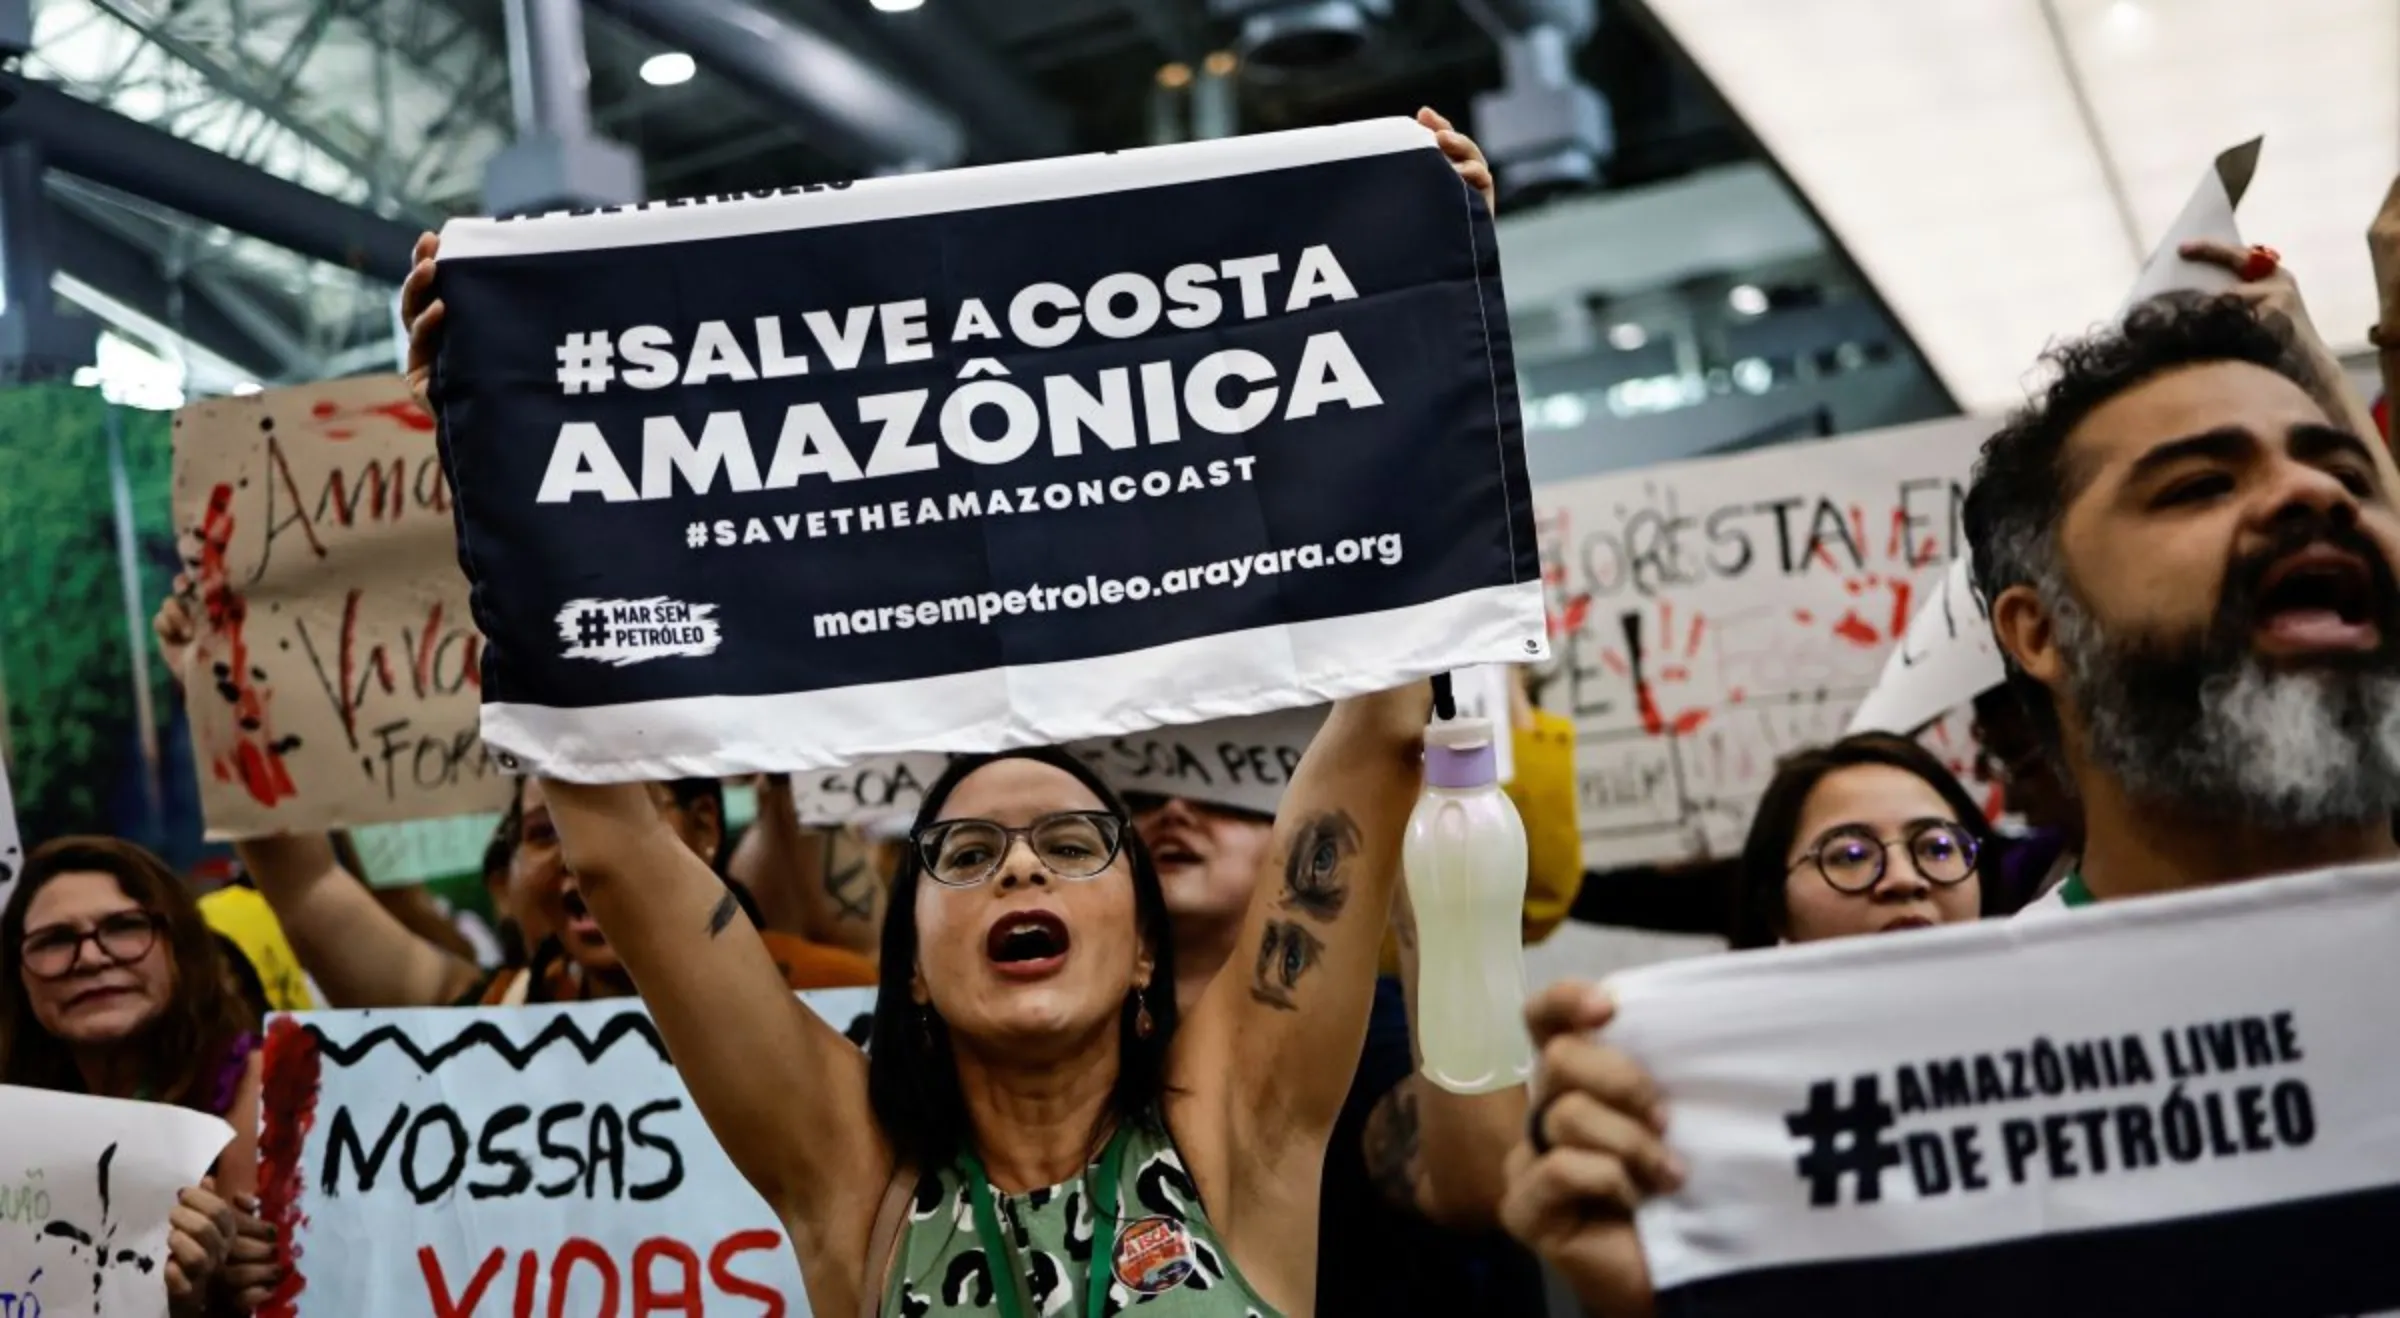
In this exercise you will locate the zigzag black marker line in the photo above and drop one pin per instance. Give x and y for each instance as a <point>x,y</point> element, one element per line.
<point>485,1034</point>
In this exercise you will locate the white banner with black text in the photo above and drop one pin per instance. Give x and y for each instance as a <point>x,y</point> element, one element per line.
<point>2176,1105</point>
<point>455,1161</point>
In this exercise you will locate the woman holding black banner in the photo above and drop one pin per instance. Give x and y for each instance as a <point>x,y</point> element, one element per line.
<point>1031,1067</point>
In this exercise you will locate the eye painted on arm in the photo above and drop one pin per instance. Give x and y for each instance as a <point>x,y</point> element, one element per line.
<point>1286,951</point>
<point>1316,872</point>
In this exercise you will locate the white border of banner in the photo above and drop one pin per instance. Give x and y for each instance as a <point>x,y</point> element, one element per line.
<point>1227,675</point>
<point>976,188</point>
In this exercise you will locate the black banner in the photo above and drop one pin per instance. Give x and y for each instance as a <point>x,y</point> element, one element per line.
<point>765,457</point>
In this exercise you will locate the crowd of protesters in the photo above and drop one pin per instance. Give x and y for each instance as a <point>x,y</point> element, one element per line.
<point>2188,544</point>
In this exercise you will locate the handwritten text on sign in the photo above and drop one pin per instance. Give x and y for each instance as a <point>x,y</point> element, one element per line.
<point>336,676</point>
<point>86,1185</point>
<point>454,1162</point>
<point>1717,615</point>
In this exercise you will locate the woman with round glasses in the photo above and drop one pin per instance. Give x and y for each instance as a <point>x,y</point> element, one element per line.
<point>1868,835</point>
<point>120,989</point>
<point>1038,1130</point>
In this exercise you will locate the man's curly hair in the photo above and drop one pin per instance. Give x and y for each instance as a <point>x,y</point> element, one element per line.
<point>2023,481</point>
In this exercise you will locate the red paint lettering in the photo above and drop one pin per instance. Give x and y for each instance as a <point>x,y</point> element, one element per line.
<point>562,1271</point>
<point>428,642</point>
<point>255,757</point>
<point>529,1269</point>
<point>684,1297</point>
<point>406,413</point>
<point>437,1286</point>
<point>354,683</point>
<point>720,1269</point>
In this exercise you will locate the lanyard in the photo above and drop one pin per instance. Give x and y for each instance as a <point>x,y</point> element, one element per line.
<point>1008,1275</point>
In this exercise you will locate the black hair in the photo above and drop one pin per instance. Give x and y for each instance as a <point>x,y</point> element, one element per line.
<point>1761,914</point>
<point>184,1048</point>
<point>912,1080</point>
<point>2023,482</point>
<point>247,985</point>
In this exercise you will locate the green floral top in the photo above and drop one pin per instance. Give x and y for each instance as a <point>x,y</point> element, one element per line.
<point>1162,1259</point>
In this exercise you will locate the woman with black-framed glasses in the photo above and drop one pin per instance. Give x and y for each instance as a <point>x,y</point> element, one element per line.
<point>1870,834</point>
<point>116,986</point>
<point>1038,1129</point>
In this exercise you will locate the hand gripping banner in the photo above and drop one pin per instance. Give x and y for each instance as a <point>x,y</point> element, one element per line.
<point>2171,1105</point>
<point>1004,456</point>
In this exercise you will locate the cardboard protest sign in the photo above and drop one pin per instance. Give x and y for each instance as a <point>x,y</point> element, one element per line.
<point>1243,763</point>
<point>1720,614</point>
<point>86,1185</point>
<point>875,788</point>
<point>335,678</point>
<point>1982,1120</point>
<point>1033,453</point>
<point>446,1160</point>
<point>2208,215</point>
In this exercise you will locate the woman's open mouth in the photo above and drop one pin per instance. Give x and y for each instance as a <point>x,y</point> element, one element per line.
<point>1027,944</point>
<point>580,924</point>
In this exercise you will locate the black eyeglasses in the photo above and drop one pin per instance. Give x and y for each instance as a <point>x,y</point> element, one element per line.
<point>1852,858</point>
<point>1073,844</point>
<point>121,939</point>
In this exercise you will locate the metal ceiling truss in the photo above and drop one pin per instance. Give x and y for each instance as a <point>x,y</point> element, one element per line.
<point>275,84</point>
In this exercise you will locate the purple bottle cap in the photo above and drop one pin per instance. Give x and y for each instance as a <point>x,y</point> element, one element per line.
<point>1459,754</point>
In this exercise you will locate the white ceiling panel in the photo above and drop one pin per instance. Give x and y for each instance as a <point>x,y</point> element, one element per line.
<point>1998,168</point>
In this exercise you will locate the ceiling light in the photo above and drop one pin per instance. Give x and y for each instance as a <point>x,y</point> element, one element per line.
<point>668,69</point>
<point>1747,299</point>
<point>1625,336</point>
<point>897,6</point>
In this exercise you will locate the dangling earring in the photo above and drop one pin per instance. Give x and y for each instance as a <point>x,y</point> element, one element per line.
<point>1142,1024</point>
<point>925,1026</point>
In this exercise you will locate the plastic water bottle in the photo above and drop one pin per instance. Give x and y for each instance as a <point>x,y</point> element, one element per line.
<point>1464,859</point>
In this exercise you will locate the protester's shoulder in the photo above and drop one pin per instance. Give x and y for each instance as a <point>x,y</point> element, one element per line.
<point>807,965</point>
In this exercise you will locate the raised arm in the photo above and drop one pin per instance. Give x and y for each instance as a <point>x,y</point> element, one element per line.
<point>355,949</point>
<point>1274,1039</point>
<point>818,883</point>
<point>784,1092</point>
